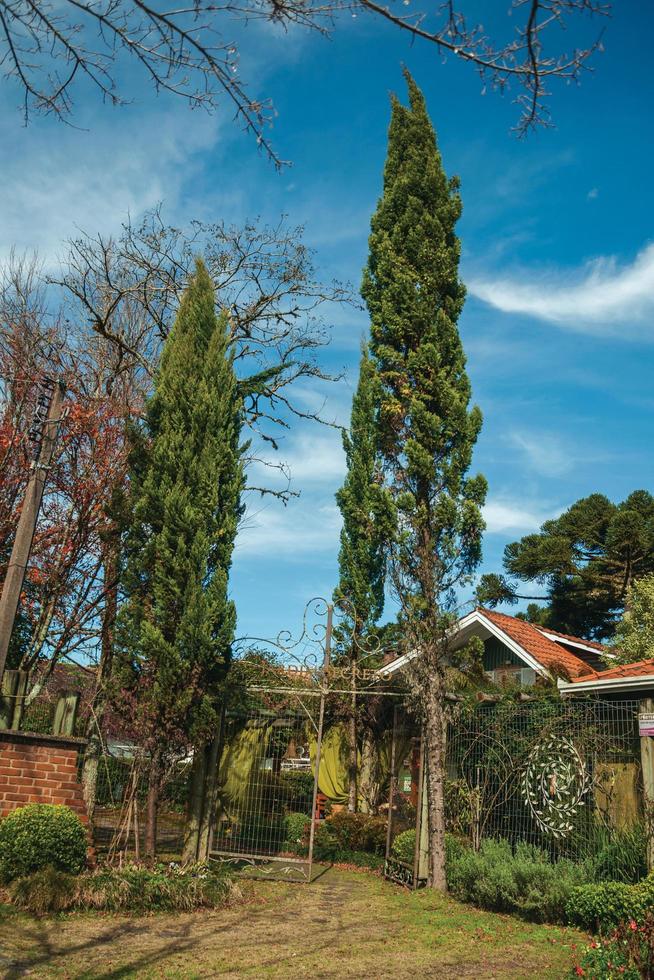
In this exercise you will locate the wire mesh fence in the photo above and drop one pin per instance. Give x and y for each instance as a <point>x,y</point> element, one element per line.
<point>119,818</point>
<point>267,788</point>
<point>563,776</point>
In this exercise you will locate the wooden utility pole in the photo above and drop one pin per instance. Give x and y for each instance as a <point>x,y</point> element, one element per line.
<point>43,435</point>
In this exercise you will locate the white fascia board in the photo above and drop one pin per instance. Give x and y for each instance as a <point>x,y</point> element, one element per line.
<point>611,684</point>
<point>475,617</point>
<point>519,651</point>
<point>571,643</point>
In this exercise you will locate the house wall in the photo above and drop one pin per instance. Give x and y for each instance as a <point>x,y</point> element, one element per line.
<point>497,655</point>
<point>39,769</point>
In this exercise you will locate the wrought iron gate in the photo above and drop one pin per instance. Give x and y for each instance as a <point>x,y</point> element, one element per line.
<point>269,805</point>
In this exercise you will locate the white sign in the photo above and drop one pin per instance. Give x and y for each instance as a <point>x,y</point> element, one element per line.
<point>646,723</point>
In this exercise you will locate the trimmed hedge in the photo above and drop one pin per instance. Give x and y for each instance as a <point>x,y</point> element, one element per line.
<point>41,835</point>
<point>603,907</point>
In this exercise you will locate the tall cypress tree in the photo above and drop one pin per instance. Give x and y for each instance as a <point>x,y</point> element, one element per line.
<point>187,478</point>
<point>368,523</point>
<point>427,432</point>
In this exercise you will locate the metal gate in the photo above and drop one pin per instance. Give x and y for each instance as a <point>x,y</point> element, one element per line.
<point>269,805</point>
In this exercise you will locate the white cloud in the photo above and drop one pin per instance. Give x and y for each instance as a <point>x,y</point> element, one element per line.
<point>504,515</point>
<point>604,297</point>
<point>301,529</point>
<point>545,453</point>
<point>313,457</point>
<point>592,193</point>
<point>57,179</point>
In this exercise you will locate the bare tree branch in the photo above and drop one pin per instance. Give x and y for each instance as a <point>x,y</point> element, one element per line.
<point>47,45</point>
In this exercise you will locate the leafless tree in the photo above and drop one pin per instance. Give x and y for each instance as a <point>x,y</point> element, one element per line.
<point>47,46</point>
<point>127,289</point>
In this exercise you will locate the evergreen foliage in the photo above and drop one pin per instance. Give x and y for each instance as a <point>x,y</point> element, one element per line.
<point>39,835</point>
<point>635,633</point>
<point>368,518</point>
<point>426,430</point>
<point>413,292</point>
<point>187,478</point>
<point>586,560</point>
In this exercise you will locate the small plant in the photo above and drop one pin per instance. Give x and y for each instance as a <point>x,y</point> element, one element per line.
<point>297,827</point>
<point>404,846</point>
<point>40,835</point>
<point>133,888</point>
<point>325,843</point>
<point>359,831</point>
<point>627,953</point>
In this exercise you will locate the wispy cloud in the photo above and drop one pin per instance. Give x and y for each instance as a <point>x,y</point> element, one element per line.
<point>544,452</point>
<point>503,515</point>
<point>57,180</point>
<point>604,297</point>
<point>301,530</point>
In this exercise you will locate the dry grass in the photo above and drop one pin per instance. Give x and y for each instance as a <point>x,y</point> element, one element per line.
<point>343,925</point>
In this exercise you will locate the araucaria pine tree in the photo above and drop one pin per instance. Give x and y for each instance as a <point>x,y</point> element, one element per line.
<point>427,431</point>
<point>177,624</point>
<point>368,522</point>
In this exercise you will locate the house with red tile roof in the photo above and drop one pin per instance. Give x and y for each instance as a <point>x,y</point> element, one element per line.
<point>519,652</point>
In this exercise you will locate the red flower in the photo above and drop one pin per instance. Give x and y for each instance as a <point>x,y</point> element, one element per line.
<point>632,925</point>
<point>580,971</point>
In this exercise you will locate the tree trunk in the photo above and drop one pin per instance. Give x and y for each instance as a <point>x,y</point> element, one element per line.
<point>93,734</point>
<point>352,739</point>
<point>202,803</point>
<point>434,742</point>
<point>205,837</point>
<point>152,806</point>
<point>195,807</point>
<point>369,776</point>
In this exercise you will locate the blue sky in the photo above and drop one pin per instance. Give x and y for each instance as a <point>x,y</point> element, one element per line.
<point>558,255</point>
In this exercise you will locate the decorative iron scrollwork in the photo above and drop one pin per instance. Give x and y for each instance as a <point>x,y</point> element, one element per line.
<point>554,784</point>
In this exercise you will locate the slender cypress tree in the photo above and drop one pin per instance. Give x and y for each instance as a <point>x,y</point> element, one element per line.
<point>187,479</point>
<point>427,432</point>
<point>368,522</point>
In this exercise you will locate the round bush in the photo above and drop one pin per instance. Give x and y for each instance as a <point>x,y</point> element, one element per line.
<point>404,845</point>
<point>41,835</point>
<point>297,827</point>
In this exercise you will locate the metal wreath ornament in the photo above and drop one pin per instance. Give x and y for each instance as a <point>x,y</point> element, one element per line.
<point>554,783</point>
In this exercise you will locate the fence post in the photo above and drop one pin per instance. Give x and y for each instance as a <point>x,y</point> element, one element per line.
<point>65,713</point>
<point>647,765</point>
<point>12,698</point>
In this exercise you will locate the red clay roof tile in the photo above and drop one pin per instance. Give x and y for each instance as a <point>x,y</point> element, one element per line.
<point>548,653</point>
<point>642,668</point>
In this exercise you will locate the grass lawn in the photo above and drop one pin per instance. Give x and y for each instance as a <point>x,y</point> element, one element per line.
<point>343,925</point>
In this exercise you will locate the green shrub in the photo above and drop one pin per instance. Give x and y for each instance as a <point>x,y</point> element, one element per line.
<point>129,889</point>
<point>325,843</point>
<point>297,787</point>
<point>526,881</point>
<point>297,832</point>
<point>404,846</point>
<point>40,835</point>
<point>602,907</point>
<point>260,832</point>
<point>360,859</point>
<point>359,831</point>
<point>620,855</point>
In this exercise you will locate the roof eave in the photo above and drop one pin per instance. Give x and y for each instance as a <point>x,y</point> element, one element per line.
<point>644,681</point>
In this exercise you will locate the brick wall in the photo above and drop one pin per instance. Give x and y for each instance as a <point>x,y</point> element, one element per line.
<point>39,769</point>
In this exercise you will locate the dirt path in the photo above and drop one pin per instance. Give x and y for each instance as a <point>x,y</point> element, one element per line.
<point>343,925</point>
